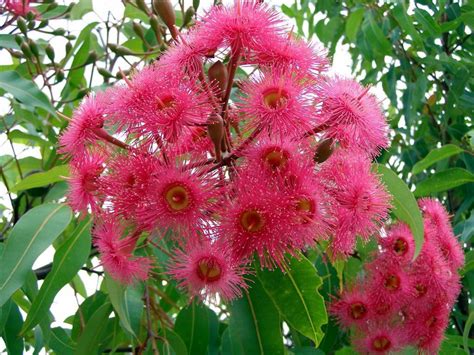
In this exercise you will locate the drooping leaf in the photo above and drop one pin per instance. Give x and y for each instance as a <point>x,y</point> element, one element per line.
<point>81,8</point>
<point>172,344</point>
<point>444,180</point>
<point>25,91</point>
<point>30,236</point>
<point>58,173</point>
<point>436,155</point>
<point>60,342</point>
<point>11,333</point>
<point>94,331</point>
<point>295,295</point>
<point>255,322</point>
<point>68,260</point>
<point>127,302</point>
<point>404,204</point>
<point>192,325</point>
<point>353,23</point>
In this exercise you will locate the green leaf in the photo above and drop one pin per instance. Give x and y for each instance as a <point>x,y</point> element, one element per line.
<point>25,91</point>
<point>192,325</point>
<point>382,44</point>
<point>467,330</point>
<point>127,302</point>
<point>133,13</point>
<point>444,180</point>
<point>81,8</point>
<point>68,260</point>
<point>436,155</point>
<point>401,15</point>
<point>172,344</point>
<point>255,322</point>
<point>295,294</point>
<point>404,204</point>
<point>31,235</point>
<point>10,335</point>
<point>20,137</point>
<point>427,22</point>
<point>60,342</point>
<point>94,332</point>
<point>8,41</point>
<point>56,174</point>
<point>353,23</point>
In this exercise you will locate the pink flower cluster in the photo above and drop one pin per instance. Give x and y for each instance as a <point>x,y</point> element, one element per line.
<point>17,7</point>
<point>401,302</point>
<point>282,165</point>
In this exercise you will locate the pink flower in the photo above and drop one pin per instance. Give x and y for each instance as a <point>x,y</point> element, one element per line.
<point>278,103</point>
<point>242,26</point>
<point>84,182</point>
<point>157,104</point>
<point>352,116</point>
<point>205,269</point>
<point>178,198</point>
<point>352,308</point>
<point>83,129</point>
<point>380,340</point>
<point>116,253</point>
<point>361,201</point>
<point>18,7</point>
<point>399,243</point>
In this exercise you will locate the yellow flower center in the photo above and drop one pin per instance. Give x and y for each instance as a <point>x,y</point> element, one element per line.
<point>275,98</point>
<point>208,270</point>
<point>252,221</point>
<point>177,197</point>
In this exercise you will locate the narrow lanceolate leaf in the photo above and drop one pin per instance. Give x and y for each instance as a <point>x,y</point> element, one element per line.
<point>467,330</point>
<point>14,321</point>
<point>127,302</point>
<point>68,260</point>
<point>58,173</point>
<point>295,295</point>
<point>255,323</point>
<point>444,180</point>
<point>353,23</point>
<point>404,204</point>
<point>25,91</point>
<point>94,332</point>
<point>32,234</point>
<point>60,342</point>
<point>192,325</point>
<point>436,155</point>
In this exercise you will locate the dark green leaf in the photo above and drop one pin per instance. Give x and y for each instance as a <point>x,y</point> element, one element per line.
<point>32,234</point>
<point>436,155</point>
<point>11,334</point>
<point>353,22</point>
<point>444,180</point>
<point>94,332</point>
<point>427,22</point>
<point>192,325</point>
<point>295,294</point>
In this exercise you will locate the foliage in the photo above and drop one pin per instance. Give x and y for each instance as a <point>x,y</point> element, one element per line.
<point>422,57</point>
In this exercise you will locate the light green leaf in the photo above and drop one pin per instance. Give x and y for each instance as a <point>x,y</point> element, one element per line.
<point>192,325</point>
<point>58,173</point>
<point>436,155</point>
<point>467,330</point>
<point>94,331</point>
<point>68,260</point>
<point>401,15</point>
<point>25,91</point>
<point>382,44</point>
<point>31,235</point>
<point>353,23</point>
<point>81,8</point>
<point>127,302</point>
<point>255,322</point>
<point>444,180</point>
<point>295,294</point>
<point>404,204</point>
<point>427,22</point>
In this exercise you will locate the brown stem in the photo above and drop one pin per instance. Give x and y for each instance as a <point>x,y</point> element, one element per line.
<point>101,133</point>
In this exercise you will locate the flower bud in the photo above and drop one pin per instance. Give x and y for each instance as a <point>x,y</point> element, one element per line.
<point>34,47</point>
<point>188,15</point>
<point>215,130</point>
<point>50,52</point>
<point>68,47</point>
<point>120,50</point>
<point>139,31</point>
<point>218,76</point>
<point>155,25</point>
<point>25,48</point>
<point>165,10</point>
<point>31,25</point>
<point>59,32</point>
<point>52,6</point>
<point>323,151</point>
<point>43,23</point>
<point>18,39</point>
<point>59,75</point>
<point>143,6</point>
<point>22,25</point>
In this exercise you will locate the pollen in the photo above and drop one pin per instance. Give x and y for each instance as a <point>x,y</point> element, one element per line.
<point>252,221</point>
<point>177,197</point>
<point>357,310</point>
<point>392,282</point>
<point>400,246</point>
<point>275,158</point>
<point>305,207</point>
<point>381,343</point>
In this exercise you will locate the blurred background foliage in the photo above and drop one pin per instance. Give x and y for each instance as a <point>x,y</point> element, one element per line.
<point>420,53</point>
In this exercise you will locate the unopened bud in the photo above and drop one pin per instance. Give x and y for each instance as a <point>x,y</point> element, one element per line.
<point>21,23</point>
<point>68,47</point>
<point>165,10</point>
<point>323,151</point>
<point>52,6</point>
<point>105,73</point>
<point>43,23</point>
<point>59,31</point>
<point>31,25</point>
<point>50,52</point>
<point>82,93</point>
<point>91,58</point>
<point>138,30</point>
<point>143,6</point>
<point>59,75</point>
<point>188,15</point>
<point>218,76</point>
<point>215,130</point>
<point>18,39</point>
<point>25,48</point>
<point>120,50</point>
<point>34,47</point>
<point>155,25</point>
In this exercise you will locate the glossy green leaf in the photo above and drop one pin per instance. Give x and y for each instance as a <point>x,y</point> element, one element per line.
<point>192,325</point>
<point>127,302</point>
<point>255,322</point>
<point>11,333</point>
<point>60,342</point>
<point>295,295</point>
<point>353,23</point>
<point>401,15</point>
<point>444,180</point>
<point>25,91</point>
<point>404,205</point>
<point>94,331</point>
<point>68,260</point>
<point>31,235</point>
<point>382,44</point>
<point>171,343</point>
<point>427,22</point>
<point>56,174</point>
<point>436,155</point>
<point>467,330</point>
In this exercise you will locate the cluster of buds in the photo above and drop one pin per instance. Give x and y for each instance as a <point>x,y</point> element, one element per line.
<point>401,302</point>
